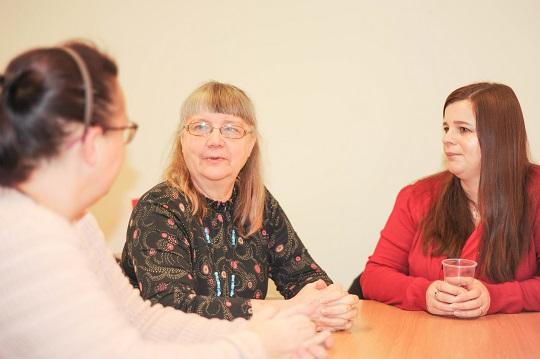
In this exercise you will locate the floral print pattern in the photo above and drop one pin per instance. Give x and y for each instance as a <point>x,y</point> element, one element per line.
<point>202,265</point>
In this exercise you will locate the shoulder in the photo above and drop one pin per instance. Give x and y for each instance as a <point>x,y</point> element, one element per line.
<point>271,204</point>
<point>164,196</point>
<point>162,192</point>
<point>427,187</point>
<point>268,197</point>
<point>418,197</point>
<point>161,202</point>
<point>25,224</point>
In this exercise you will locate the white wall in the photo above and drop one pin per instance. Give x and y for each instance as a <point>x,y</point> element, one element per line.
<point>348,93</point>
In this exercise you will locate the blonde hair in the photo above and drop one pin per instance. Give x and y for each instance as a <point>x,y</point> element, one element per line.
<point>223,98</point>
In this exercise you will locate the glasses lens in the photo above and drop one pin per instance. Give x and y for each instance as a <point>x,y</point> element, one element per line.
<point>199,128</point>
<point>232,131</point>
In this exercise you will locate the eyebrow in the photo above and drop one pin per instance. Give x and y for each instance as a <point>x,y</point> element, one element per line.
<point>231,121</point>
<point>459,123</point>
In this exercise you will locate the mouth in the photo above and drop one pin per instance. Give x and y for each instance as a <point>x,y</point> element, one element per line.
<point>214,158</point>
<point>452,154</point>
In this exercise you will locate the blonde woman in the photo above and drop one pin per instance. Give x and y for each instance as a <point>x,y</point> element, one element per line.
<point>207,239</point>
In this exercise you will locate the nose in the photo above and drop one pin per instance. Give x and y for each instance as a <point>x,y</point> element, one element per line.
<point>215,138</point>
<point>448,138</point>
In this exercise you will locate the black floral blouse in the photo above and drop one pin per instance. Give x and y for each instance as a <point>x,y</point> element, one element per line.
<point>202,265</point>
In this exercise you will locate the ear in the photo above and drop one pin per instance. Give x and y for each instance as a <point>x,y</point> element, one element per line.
<point>89,145</point>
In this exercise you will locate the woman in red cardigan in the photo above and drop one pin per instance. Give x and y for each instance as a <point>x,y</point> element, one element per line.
<point>485,207</point>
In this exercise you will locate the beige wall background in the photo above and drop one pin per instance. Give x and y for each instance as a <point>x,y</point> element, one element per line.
<point>348,93</point>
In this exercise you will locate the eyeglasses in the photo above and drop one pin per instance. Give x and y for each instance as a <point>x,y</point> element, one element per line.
<point>128,131</point>
<point>203,128</point>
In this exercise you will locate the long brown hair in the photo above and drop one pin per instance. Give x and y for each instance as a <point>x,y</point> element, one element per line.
<point>502,193</point>
<point>227,99</point>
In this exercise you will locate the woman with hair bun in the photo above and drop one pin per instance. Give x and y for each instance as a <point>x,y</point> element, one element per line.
<point>63,128</point>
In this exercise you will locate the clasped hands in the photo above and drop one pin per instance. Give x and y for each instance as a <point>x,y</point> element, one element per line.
<point>294,322</point>
<point>335,309</point>
<point>471,300</point>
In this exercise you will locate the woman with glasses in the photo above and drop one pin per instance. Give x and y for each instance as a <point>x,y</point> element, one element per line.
<point>207,239</point>
<point>485,208</point>
<point>63,128</point>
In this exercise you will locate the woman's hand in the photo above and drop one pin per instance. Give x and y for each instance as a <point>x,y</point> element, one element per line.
<point>471,301</point>
<point>474,302</point>
<point>315,348</point>
<point>337,314</point>
<point>290,333</point>
<point>336,309</point>
<point>440,297</point>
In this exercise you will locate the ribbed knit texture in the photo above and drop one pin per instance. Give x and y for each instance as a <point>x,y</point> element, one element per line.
<point>64,296</point>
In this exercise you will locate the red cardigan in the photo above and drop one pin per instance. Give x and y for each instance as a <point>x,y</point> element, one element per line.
<point>398,273</point>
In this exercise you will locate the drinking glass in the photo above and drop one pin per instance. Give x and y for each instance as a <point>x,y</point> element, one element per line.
<point>459,271</point>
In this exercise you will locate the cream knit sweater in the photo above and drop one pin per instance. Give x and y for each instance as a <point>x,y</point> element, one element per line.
<point>63,296</point>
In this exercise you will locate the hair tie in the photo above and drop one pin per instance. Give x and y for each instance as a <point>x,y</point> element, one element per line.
<point>87,82</point>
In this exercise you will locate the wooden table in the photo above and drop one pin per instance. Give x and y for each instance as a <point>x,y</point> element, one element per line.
<point>383,331</point>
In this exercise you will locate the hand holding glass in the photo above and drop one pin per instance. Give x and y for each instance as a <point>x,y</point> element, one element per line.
<point>459,271</point>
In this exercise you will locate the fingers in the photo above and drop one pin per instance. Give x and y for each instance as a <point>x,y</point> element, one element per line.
<point>338,314</point>
<point>449,288</point>
<point>437,306</point>
<point>316,347</point>
<point>334,322</point>
<point>346,326</point>
<point>339,311</point>
<point>349,299</point>
<point>447,299</point>
<point>332,293</point>
<point>444,297</point>
<point>328,342</point>
<point>469,295</point>
<point>317,352</point>
<point>319,338</point>
<point>440,308</point>
<point>474,313</point>
<point>468,305</point>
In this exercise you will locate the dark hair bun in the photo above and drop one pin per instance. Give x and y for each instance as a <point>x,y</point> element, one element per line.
<point>43,90</point>
<point>25,92</point>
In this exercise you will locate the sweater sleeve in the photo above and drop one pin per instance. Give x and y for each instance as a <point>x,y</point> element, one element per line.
<point>386,276</point>
<point>291,266</point>
<point>159,258</point>
<point>67,311</point>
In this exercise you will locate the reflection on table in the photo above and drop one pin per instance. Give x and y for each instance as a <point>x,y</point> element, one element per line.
<point>383,331</point>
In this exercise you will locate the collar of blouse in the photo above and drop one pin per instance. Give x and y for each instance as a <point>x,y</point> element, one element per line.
<point>220,206</point>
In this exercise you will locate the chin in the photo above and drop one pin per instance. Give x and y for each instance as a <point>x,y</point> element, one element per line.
<point>217,175</point>
<point>455,170</point>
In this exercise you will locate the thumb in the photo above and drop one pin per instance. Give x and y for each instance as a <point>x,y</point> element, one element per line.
<point>320,284</point>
